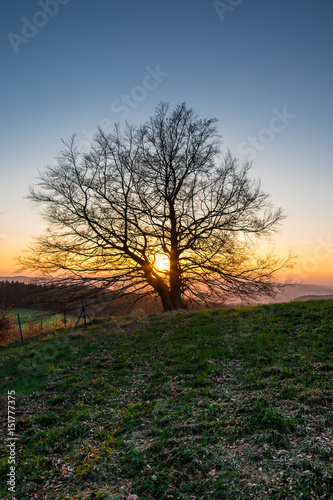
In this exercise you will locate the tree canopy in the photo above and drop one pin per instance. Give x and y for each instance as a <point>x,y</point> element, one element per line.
<point>153,209</point>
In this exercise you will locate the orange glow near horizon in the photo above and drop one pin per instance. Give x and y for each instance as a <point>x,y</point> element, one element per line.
<point>8,265</point>
<point>309,270</point>
<point>314,263</point>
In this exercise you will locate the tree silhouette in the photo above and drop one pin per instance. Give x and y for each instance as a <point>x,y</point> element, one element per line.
<point>150,210</point>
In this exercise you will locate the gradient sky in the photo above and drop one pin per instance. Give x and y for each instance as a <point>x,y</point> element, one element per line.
<point>263,68</point>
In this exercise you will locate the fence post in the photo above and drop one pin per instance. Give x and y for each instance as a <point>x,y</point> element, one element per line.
<point>19,322</point>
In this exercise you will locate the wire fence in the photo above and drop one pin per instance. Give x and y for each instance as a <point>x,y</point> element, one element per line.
<point>20,325</point>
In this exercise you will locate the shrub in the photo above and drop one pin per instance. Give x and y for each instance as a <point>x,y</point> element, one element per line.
<point>5,325</point>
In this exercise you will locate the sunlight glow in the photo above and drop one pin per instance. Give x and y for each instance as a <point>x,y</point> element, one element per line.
<point>161,262</point>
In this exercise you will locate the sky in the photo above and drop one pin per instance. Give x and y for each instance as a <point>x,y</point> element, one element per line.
<point>263,68</point>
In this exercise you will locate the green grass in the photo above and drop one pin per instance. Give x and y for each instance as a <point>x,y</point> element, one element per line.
<point>28,315</point>
<point>217,404</point>
<point>33,323</point>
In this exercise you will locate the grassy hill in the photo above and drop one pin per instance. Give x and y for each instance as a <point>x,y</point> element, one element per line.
<point>217,404</point>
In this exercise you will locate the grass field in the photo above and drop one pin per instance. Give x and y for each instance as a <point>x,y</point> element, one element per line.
<point>217,404</point>
<point>33,323</point>
<point>28,315</point>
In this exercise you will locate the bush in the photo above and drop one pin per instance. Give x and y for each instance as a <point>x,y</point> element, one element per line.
<point>5,324</point>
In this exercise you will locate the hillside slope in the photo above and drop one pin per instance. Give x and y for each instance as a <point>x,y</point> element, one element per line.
<point>217,404</point>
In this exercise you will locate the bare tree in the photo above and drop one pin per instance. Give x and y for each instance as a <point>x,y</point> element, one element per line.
<point>150,210</point>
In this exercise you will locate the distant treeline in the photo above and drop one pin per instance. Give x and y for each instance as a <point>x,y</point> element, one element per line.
<point>68,299</point>
<point>17,294</point>
<point>63,300</point>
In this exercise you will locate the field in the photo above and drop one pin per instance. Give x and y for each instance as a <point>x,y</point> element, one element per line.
<point>28,315</point>
<point>33,323</point>
<point>216,404</point>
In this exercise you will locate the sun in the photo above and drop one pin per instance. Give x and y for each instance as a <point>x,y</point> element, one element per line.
<point>161,262</point>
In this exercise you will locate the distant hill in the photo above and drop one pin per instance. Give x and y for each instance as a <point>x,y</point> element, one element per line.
<point>295,292</point>
<point>305,298</point>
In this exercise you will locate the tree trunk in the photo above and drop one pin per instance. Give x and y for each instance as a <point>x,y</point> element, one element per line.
<point>160,287</point>
<point>165,299</point>
<point>175,282</point>
<point>171,299</point>
<point>175,272</point>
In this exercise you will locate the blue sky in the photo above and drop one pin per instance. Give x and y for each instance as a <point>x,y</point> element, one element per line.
<point>248,63</point>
